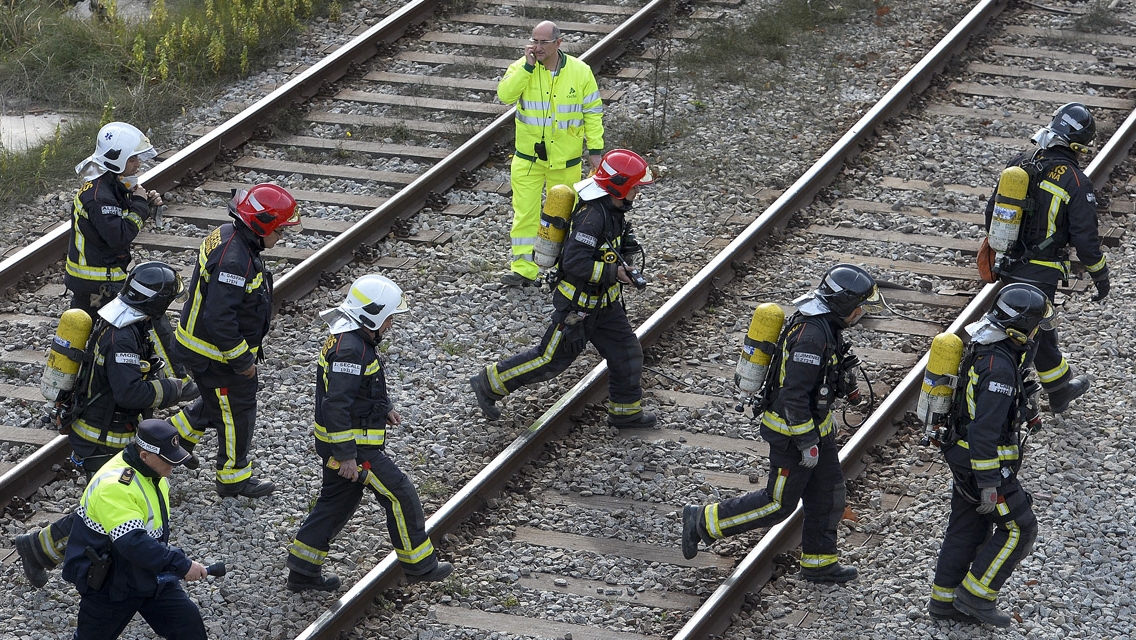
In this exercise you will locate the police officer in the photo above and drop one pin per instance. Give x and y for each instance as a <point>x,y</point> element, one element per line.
<point>118,555</point>
<point>983,448</point>
<point>107,215</point>
<point>221,328</point>
<point>121,383</point>
<point>353,410</point>
<point>586,301</point>
<point>558,107</point>
<point>804,462</point>
<point>1062,211</point>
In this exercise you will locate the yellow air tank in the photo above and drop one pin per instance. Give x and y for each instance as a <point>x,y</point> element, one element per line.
<point>758,346</point>
<point>939,378</point>
<point>65,354</point>
<point>553,224</point>
<point>1006,223</point>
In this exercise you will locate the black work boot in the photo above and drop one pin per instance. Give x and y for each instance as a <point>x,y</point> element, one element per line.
<point>940,610</point>
<point>299,582</point>
<point>834,572</point>
<point>641,420</point>
<point>691,530</point>
<point>251,488</point>
<point>437,574</point>
<point>35,568</point>
<point>1060,397</point>
<point>981,609</point>
<point>486,399</point>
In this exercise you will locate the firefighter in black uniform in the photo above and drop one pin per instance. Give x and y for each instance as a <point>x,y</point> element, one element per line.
<point>118,555</point>
<point>107,215</point>
<point>353,410</point>
<point>798,425</point>
<point>222,325</point>
<point>983,447</point>
<point>586,302</point>
<point>119,385</point>
<point>1062,211</point>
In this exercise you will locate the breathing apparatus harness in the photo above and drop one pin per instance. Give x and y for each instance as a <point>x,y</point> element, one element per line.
<point>839,379</point>
<point>1032,241</point>
<point>1025,414</point>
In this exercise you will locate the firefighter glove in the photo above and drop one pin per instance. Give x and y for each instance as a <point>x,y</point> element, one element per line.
<point>810,456</point>
<point>1100,281</point>
<point>987,499</point>
<point>575,338</point>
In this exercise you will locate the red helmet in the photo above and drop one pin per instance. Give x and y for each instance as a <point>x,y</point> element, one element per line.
<point>620,170</point>
<point>263,208</point>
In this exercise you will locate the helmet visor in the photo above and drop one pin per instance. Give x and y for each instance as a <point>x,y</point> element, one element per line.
<point>874,303</point>
<point>1049,320</point>
<point>182,292</point>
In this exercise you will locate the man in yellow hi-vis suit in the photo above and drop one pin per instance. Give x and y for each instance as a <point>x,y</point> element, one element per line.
<point>558,107</point>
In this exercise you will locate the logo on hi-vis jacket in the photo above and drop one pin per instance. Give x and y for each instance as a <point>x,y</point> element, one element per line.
<point>572,92</point>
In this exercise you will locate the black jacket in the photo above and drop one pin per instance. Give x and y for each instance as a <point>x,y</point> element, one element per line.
<point>105,219</point>
<point>351,394</point>
<point>988,437</point>
<point>588,266</point>
<point>229,308</point>
<point>806,383</point>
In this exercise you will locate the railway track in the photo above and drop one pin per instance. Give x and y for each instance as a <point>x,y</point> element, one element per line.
<point>625,570</point>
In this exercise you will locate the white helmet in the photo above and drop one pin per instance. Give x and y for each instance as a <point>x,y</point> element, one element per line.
<point>117,143</point>
<point>370,301</point>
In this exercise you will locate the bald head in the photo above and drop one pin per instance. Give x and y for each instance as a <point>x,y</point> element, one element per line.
<point>545,45</point>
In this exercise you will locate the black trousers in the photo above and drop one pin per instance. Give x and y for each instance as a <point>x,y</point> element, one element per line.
<point>821,489</point>
<point>608,329</point>
<point>338,500</point>
<point>228,406</point>
<point>980,551</point>
<point>170,613</point>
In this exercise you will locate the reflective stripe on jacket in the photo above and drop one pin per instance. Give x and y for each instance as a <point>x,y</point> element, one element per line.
<point>351,394</point>
<point>561,109</point>
<point>230,301</point>
<point>105,219</point>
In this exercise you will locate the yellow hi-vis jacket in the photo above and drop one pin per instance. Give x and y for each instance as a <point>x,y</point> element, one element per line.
<point>562,109</point>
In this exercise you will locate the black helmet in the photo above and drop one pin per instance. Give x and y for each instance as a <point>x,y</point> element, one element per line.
<point>1074,124</point>
<point>1019,310</point>
<point>151,287</point>
<point>846,287</point>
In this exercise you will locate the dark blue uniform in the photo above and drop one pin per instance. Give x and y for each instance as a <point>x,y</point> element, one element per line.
<point>586,308</point>
<point>105,219</point>
<point>352,411</point>
<point>124,517</point>
<point>798,417</point>
<point>222,325</point>
<point>1065,213</point>
<point>987,453</point>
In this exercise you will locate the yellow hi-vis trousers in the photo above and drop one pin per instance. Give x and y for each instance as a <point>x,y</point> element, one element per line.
<point>528,179</point>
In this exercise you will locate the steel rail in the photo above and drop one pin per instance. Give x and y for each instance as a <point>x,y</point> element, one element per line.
<point>24,479</point>
<point>49,248</point>
<point>440,177</point>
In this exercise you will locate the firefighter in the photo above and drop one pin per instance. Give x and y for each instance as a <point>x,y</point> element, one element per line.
<point>353,410</point>
<point>804,465</point>
<point>558,107</point>
<point>107,215</point>
<point>121,384</point>
<point>1062,211</point>
<point>992,525</point>
<point>222,325</point>
<point>119,556</point>
<point>586,302</point>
